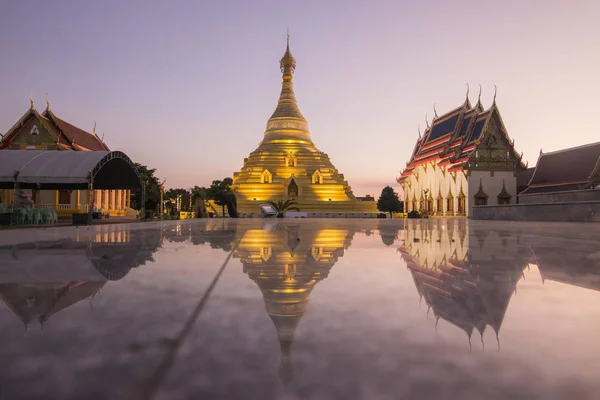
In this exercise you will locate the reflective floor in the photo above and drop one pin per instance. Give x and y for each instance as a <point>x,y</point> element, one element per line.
<point>301,309</point>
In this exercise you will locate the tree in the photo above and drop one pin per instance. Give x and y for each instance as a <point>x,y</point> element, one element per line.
<point>282,206</point>
<point>389,201</point>
<point>152,188</point>
<point>220,192</point>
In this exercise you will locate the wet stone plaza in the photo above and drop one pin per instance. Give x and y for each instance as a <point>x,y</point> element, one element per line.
<point>301,309</point>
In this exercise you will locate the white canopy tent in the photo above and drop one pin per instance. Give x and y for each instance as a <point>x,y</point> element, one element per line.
<point>72,170</point>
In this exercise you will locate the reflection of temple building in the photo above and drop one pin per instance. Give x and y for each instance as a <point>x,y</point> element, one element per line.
<point>576,267</point>
<point>286,262</point>
<point>466,278</point>
<point>38,280</point>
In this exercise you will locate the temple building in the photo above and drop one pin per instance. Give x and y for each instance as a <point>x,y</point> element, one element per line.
<point>464,158</point>
<point>567,170</point>
<point>286,263</point>
<point>35,131</point>
<point>288,165</point>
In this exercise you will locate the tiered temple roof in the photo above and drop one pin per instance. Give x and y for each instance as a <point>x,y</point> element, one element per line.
<point>452,137</point>
<point>569,169</point>
<point>467,296</point>
<point>65,135</point>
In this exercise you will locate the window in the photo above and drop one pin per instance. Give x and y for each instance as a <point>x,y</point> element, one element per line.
<point>450,204</point>
<point>439,205</point>
<point>292,189</point>
<point>461,205</point>
<point>480,201</point>
<point>64,197</point>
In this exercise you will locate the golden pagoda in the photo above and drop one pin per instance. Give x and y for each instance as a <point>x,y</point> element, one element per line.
<point>286,262</point>
<point>288,165</point>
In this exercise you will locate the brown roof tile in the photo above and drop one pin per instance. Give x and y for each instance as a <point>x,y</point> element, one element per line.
<point>73,133</point>
<point>566,166</point>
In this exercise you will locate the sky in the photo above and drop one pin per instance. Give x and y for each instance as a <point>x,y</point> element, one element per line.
<point>187,87</point>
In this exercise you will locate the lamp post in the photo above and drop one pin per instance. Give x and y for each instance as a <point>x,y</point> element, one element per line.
<point>162,191</point>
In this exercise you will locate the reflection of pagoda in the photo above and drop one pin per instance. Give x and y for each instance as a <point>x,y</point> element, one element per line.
<point>466,282</point>
<point>286,261</point>
<point>38,280</point>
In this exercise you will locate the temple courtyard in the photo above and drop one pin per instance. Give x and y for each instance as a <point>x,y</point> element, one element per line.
<point>301,309</point>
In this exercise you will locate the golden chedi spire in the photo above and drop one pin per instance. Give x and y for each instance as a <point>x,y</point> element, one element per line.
<point>287,165</point>
<point>287,122</point>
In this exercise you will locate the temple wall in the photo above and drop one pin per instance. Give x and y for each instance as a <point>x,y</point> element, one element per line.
<point>437,182</point>
<point>492,186</point>
<point>560,197</point>
<point>585,211</point>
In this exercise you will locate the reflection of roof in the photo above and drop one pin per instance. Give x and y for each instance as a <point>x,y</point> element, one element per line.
<point>570,266</point>
<point>39,301</point>
<point>467,297</point>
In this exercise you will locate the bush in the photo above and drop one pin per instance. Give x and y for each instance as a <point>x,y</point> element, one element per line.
<point>414,214</point>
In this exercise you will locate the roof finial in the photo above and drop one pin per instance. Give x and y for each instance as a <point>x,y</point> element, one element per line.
<point>434,111</point>
<point>541,151</point>
<point>495,91</point>
<point>467,91</point>
<point>419,129</point>
<point>479,96</point>
<point>94,128</point>
<point>426,120</point>
<point>31,101</point>
<point>102,139</point>
<point>287,63</point>
<point>47,102</point>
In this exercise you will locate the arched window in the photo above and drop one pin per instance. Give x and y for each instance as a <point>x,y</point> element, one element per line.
<point>266,177</point>
<point>481,197</point>
<point>293,189</point>
<point>317,178</point>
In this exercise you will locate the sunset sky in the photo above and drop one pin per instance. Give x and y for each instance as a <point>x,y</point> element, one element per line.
<point>186,87</point>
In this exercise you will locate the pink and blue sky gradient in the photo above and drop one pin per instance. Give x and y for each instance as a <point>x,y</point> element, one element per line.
<point>187,86</point>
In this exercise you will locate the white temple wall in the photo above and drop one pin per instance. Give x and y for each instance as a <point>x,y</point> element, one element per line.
<point>492,186</point>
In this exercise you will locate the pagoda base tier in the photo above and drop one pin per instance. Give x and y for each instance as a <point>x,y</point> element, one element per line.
<point>252,208</point>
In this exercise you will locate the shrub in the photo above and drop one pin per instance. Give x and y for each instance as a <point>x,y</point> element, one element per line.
<point>414,214</point>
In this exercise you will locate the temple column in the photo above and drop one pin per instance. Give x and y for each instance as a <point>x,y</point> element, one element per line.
<point>56,199</point>
<point>77,198</point>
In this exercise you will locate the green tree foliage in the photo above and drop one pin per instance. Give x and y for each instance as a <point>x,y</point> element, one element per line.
<point>152,188</point>
<point>389,201</point>
<point>220,192</point>
<point>283,206</point>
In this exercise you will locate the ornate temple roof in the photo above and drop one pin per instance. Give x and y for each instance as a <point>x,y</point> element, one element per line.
<point>452,137</point>
<point>65,135</point>
<point>568,169</point>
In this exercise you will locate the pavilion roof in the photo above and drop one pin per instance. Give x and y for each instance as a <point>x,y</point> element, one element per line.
<point>568,169</point>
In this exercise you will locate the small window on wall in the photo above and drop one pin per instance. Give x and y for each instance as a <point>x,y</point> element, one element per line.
<point>64,197</point>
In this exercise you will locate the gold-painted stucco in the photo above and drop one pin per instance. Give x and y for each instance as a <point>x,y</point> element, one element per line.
<point>287,164</point>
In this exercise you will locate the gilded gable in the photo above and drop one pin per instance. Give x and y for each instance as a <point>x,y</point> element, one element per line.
<point>33,134</point>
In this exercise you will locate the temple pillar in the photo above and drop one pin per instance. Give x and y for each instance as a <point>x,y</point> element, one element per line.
<point>55,199</point>
<point>77,199</point>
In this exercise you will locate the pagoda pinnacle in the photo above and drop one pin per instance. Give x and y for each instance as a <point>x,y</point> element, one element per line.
<point>287,122</point>
<point>287,62</point>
